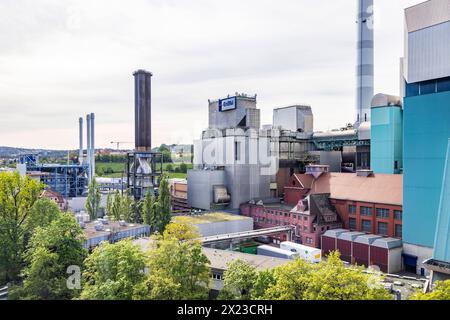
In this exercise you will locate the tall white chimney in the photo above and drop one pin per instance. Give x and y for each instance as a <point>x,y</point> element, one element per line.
<point>88,147</point>
<point>365,63</point>
<point>80,154</point>
<point>92,146</point>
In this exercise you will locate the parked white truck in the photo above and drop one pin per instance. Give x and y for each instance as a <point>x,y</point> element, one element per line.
<point>309,254</point>
<point>273,252</point>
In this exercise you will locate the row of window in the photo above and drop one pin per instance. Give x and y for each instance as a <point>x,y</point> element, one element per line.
<point>382,213</point>
<point>428,87</point>
<point>382,227</point>
<point>285,214</point>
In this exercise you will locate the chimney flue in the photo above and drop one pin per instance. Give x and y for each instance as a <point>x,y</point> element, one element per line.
<point>80,154</point>
<point>143,110</point>
<point>88,146</point>
<point>365,63</point>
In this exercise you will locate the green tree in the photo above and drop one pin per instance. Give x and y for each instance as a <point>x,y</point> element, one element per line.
<point>17,197</point>
<point>51,251</point>
<point>239,279</point>
<point>126,207</point>
<point>117,206</point>
<point>42,213</point>
<point>183,168</point>
<point>328,280</point>
<point>93,200</point>
<point>334,281</point>
<point>177,269</point>
<point>441,291</point>
<point>164,212</point>
<point>263,281</point>
<point>169,168</point>
<point>113,271</point>
<point>148,210</point>
<point>109,205</point>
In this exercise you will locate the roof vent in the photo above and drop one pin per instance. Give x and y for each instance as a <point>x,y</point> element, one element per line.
<point>364,173</point>
<point>317,170</point>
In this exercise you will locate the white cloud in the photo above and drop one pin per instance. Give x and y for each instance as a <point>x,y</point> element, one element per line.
<point>61,59</point>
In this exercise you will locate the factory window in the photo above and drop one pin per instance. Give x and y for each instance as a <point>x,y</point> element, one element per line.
<point>428,87</point>
<point>305,218</point>
<point>398,215</point>
<point>352,224</point>
<point>398,230</point>
<point>443,85</point>
<point>305,228</point>
<point>294,216</point>
<point>383,213</point>
<point>309,241</point>
<point>367,226</point>
<point>412,89</point>
<point>352,209</point>
<point>382,228</point>
<point>366,211</point>
<point>237,151</point>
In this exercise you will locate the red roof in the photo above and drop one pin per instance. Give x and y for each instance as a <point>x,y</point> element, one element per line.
<point>377,188</point>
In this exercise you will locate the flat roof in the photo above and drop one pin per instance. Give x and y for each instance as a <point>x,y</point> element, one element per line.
<point>219,259</point>
<point>367,239</point>
<point>350,236</point>
<point>90,231</point>
<point>334,233</point>
<point>388,243</point>
<point>213,217</point>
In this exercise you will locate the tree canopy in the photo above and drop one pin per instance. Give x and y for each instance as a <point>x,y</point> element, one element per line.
<point>17,197</point>
<point>441,291</point>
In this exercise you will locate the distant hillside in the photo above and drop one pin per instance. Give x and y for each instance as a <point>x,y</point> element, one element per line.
<point>11,152</point>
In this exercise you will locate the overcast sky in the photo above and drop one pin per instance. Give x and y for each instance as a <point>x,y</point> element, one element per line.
<point>61,59</point>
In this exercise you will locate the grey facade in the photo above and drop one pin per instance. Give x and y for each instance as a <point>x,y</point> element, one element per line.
<point>243,113</point>
<point>294,118</point>
<point>142,110</point>
<point>200,187</point>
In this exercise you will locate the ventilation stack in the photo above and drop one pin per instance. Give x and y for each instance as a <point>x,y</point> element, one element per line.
<point>365,63</point>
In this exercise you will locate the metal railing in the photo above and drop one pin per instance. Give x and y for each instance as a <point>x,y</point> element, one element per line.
<point>246,234</point>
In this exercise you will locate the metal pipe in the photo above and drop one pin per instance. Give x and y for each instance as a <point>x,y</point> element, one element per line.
<point>88,147</point>
<point>93,145</point>
<point>80,155</point>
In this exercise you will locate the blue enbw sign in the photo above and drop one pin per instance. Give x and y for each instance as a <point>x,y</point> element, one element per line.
<point>227,104</point>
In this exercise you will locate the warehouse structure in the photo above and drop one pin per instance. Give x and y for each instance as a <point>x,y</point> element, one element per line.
<point>364,249</point>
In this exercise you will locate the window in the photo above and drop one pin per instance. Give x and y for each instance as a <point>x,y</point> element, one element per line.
<point>309,241</point>
<point>383,228</point>
<point>443,85</point>
<point>398,214</point>
<point>367,226</point>
<point>352,224</point>
<point>398,230</point>
<point>352,209</point>
<point>305,228</point>
<point>383,213</point>
<point>366,211</point>
<point>237,151</point>
<point>295,216</point>
<point>305,218</point>
<point>428,87</point>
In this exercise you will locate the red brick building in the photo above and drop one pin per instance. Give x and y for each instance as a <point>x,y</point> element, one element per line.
<point>312,216</point>
<point>366,202</point>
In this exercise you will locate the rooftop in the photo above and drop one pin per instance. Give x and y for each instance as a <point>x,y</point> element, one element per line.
<point>208,218</point>
<point>427,14</point>
<point>112,226</point>
<point>220,259</point>
<point>377,188</point>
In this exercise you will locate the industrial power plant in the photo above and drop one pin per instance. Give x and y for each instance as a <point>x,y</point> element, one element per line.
<point>374,189</point>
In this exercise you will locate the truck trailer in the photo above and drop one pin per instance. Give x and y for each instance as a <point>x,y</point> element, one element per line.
<point>270,251</point>
<point>309,254</point>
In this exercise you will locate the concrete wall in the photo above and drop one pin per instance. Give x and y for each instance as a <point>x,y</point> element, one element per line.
<point>422,254</point>
<point>386,147</point>
<point>200,187</point>
<point>225,227</point>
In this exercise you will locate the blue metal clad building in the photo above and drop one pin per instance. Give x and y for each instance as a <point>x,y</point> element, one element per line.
<point>387,139</point>
<point>442,241</point>
<point>426,124</point>
<point>426,134</point>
